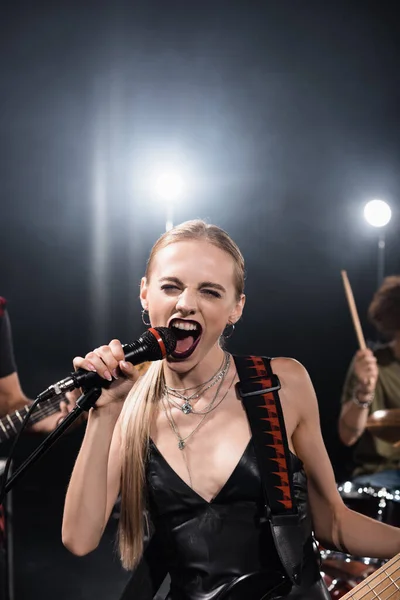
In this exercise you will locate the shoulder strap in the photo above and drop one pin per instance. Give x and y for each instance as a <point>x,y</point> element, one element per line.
<point>258,390</point>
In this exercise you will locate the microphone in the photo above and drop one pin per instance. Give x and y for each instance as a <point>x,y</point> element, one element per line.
<point>154,344</point>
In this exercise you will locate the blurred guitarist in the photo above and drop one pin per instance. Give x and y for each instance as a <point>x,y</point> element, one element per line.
<point>12,397</point>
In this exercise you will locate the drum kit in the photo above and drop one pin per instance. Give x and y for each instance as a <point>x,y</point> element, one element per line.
<point>343,572</point>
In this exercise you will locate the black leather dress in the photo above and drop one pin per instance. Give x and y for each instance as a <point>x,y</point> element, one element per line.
<point>206,545</point>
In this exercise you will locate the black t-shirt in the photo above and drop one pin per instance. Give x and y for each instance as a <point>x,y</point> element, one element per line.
<point>7,361</point>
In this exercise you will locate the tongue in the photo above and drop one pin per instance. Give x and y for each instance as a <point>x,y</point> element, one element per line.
<point>185,344</point>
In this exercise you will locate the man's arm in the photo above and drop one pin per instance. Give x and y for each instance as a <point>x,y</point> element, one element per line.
<point>12,396</point>
<point>357,397</point>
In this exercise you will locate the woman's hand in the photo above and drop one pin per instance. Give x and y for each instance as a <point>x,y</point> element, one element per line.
<point>108,362</point>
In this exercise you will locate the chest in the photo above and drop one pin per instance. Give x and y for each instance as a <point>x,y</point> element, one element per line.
<point>204,450</point>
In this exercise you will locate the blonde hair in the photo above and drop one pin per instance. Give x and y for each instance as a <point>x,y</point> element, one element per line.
<point>201,231</point>
<point>141,404</point>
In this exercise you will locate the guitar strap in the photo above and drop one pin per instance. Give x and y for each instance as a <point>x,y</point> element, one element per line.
<point>258,390</point>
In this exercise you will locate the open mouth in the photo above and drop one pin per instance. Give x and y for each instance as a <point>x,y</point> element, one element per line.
<point>188,334</point>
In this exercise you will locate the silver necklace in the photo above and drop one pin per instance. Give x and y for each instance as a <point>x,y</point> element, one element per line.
<point>187,407</point>
<point>182,390</point>
<point>182,441</point>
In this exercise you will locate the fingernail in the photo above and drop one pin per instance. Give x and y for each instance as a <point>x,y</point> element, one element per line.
<point>107,375</point>
<point>115,373</point>
<point>124,364</point>
<point>91,367</point>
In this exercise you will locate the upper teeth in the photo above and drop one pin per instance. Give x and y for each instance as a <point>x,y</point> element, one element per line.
<point>184,325</point>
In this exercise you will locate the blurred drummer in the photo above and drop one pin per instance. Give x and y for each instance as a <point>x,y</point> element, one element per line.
<point>373,383</point>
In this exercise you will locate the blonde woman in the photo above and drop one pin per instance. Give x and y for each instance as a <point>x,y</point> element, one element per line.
<point>177,444</point>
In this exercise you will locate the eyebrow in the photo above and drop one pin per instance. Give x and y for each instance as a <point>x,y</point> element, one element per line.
<point>203,284</point>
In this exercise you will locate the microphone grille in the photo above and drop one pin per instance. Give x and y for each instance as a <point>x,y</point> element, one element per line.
<point>155,347</point>
<point>168,337</point>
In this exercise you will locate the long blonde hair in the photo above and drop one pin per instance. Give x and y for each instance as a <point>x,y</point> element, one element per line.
<point>142,402</point>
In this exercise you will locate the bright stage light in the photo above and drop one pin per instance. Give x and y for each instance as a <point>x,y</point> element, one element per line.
<point>168,185</point>
<point>378,213</point>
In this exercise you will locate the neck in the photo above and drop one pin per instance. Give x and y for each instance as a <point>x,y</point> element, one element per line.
<point>176,377</point>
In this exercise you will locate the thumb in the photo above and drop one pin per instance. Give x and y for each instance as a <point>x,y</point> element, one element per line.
<point>63,408</point>
<point>128,370</point>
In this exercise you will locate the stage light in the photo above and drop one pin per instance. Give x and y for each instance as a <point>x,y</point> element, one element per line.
<point>377,213</point>
<point>168,185</point>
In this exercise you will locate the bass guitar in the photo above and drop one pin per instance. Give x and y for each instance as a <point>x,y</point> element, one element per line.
<point>383,584</point>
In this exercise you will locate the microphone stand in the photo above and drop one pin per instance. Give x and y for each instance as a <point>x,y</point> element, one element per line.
<point>84,403</point>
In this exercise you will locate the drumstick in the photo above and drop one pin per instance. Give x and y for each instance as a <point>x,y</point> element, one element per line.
<point>353,311</point>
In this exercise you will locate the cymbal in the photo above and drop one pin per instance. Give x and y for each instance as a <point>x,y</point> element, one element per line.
<point>385,425</point>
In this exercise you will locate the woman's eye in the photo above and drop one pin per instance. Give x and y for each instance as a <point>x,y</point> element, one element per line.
<point>212,293</point>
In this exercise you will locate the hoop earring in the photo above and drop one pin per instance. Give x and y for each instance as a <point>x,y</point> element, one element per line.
<point>145,313</point>
<point>230,334</point>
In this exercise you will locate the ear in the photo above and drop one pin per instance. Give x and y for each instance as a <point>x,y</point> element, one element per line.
<point>143,293</point>
<point>238,310</point>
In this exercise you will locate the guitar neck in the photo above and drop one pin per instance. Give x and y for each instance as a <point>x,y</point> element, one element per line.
<point>383,584</point>
<point>11,423</point>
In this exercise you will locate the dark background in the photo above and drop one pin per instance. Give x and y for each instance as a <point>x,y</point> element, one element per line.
<point>285,116</point>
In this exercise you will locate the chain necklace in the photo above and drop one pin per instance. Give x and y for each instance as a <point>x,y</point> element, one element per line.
<point>173,425</point>
<point>180,390</point>
<point>182,441</point>
<point>200,389</point>
<point>187,407</point>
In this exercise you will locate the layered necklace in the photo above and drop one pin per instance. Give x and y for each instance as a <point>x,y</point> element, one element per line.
<point>199,390</point>
<point>168,403</point>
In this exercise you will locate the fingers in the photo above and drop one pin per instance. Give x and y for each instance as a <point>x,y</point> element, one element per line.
<point>365,354</point>
<point>68,404</point>
<point>71,398</point>
<point>129,371</point>
<point>109,362</point>
<point>69,401</point>
<point>366,367</point>
<point>366,357</point>
<point>104,360</point>
<point>117,350</point>
<point>63,409</point>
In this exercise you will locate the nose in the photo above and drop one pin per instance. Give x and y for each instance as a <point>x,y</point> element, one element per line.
<point>187,303</point>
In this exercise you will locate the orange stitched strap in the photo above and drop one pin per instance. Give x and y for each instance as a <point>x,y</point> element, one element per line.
<point>275,431</point>
<point>258,391</point>
<point>277,445</point>
<point>160,341</point>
